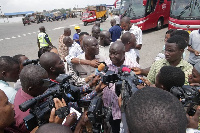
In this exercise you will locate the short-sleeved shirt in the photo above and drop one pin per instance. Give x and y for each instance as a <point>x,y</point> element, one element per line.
<point>138,35</point>
<point>131,54</point>
<point>74,51</point>
<point>194,42</point>
<point>104,52</point>
<point>75,37</point>
<point>115,32</point>
<point>86,70</point>
<point>9,91</point>
<point>20,98</point>
<point>109,96</point>
<point>157,65</point>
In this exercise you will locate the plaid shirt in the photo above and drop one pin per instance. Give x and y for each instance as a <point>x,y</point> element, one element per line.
<point>109,96</point>
<point>157,65</point>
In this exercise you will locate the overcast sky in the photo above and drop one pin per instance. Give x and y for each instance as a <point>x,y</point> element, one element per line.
<point>9,6</point>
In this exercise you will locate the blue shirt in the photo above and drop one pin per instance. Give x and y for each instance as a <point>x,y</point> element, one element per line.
<point>115,32</point>
<point>76,36</point>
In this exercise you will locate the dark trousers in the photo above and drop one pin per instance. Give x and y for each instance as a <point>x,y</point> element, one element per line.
<point>115,124</point>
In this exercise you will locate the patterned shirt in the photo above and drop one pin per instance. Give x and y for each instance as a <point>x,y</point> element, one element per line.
<point>75,51</point>
<point>157,65</point>
<point>109,96</point>
<point>62,48</point>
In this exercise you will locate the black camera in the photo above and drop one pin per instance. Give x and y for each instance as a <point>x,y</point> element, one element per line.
<point>98,114</point>
<point>41,106</point>
<point>189,97</point>
<point>27,62</point>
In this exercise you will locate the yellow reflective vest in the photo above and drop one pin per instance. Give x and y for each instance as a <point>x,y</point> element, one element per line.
<point>42,41</point>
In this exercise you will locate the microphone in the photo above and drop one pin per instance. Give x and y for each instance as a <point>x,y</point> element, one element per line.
<point>126,69</point>
<point>100,68</point>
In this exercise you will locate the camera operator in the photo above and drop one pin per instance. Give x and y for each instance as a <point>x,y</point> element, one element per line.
<point>9,69</point>
<point>110,99</point>
<point>31,78</point>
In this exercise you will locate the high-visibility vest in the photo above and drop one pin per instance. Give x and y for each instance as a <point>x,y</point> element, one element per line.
<point>41,38</point>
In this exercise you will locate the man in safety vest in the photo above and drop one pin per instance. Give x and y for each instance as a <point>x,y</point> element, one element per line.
<point>43,39</point>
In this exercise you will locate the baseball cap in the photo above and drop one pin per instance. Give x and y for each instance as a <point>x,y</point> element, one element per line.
<point>77,27</point>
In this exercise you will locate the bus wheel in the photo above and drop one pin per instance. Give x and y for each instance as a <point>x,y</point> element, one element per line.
<point>159,24</point>
<point>85,23</point>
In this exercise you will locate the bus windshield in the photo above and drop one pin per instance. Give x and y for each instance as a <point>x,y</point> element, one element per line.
<point>132,8</point>
<point>185,9</point>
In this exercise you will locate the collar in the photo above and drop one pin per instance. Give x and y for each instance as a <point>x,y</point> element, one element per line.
<point>25,95</point>
<point>109,62</point>
<point>4,82</point>
<point>181,63</point>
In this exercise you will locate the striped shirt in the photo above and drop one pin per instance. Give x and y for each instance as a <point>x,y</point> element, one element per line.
<point>109,96</point>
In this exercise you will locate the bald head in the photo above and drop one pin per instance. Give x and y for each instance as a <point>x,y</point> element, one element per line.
<point>117,53</point>
<point>125,20</point>
<point>96,31</point>
<point>118,46</point>
<point>67,32</point>
<point>48,60</point>
<point>105,38</point>
<point>129,41</point>
<point>90,45</point>
<point>67,41</point>
<point>53,128</point>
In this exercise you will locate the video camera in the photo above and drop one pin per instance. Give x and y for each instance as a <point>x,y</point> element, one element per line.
<point>27,62</point>
<point>41,106</point>
<point>189,96</point>
<point>125,84</point>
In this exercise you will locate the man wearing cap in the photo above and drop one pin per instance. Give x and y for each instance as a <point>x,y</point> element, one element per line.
<point>76,35</point>
<point>43,39</point>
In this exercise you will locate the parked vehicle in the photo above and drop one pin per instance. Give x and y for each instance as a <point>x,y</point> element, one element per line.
<point>185,14</point>
<point>146,14</point>
<point>94,13</point>
<point>26,20</point>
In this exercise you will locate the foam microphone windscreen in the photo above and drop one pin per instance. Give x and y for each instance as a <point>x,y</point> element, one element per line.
<point>101,67</point>
<point>126,69</point>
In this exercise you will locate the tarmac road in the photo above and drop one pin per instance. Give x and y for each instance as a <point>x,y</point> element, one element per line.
<point>15,38</point>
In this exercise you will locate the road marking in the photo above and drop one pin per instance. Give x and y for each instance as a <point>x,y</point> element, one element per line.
<point>13,37</point>
<point>58,28</point>
<point>73,25</point>
<point>29,33</point>
<point>24,34</point>
<point>1,39</point>
<point>19,36</point>
<point>34,32</point>
<point>7,38</point>
<point>80,23</point>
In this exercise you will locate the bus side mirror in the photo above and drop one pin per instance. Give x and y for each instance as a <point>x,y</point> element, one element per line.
<point>144,2</point>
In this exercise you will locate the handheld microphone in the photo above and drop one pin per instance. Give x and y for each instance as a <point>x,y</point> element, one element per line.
<point>100,68</point>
